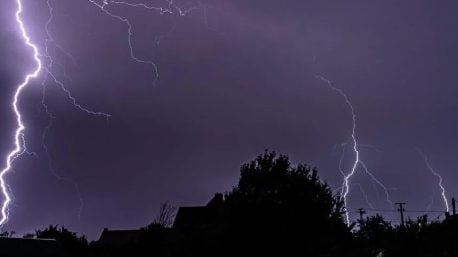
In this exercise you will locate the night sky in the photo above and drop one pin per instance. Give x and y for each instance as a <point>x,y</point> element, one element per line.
<point>236,77</point>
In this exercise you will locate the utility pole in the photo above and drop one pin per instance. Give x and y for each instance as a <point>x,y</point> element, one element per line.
<point>453,206</point>
<point>361,213</point>
<point>401,211</point>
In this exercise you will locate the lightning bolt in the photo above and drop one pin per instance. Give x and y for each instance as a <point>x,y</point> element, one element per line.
<point>368,173</point>
<point>103,5</point>
<point>345,191</point>
<point>342,157</point>
<point>366,198</point>
<point>50,75</point>
<point>50,40</point>
<point>58,176</point>
<point>48,66</point>
<point>363,193</point>
<point>378,182</point>
<point>51,62</point>
<point>439,177</point>
<point>19,141</point>
<point>347,177</point>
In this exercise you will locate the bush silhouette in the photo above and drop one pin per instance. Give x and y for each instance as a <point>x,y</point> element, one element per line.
<point>70,242</point>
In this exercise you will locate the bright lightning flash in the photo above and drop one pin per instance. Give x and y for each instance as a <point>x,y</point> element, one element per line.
<point>347,177</point>
<point>357,161</point>
<point>439,177</point>
<point>19,142</point>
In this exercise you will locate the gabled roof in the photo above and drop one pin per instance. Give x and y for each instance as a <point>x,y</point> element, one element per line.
<point>191,217</point>
<point>196,217</point>
<point>119,237</point>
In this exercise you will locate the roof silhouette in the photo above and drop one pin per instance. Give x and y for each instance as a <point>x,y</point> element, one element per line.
<point>20,247</point>
<point>198,216</point>
<point>119,237</point>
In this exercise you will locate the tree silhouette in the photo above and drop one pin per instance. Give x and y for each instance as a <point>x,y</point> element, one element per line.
<point>278,209</point>
<point>71,243</point>
<point>374,229</point>
<point>7,234</point>
<point>165,217</point>
<point>374,236</point>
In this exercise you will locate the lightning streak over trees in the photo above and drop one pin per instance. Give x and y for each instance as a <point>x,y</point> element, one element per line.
<point>439,177</point>
<point>355,146</point>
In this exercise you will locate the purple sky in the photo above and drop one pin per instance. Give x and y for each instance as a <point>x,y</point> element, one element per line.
<point>232,83</point>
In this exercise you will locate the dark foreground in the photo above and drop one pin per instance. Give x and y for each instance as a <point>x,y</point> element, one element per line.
<point>275,210</point>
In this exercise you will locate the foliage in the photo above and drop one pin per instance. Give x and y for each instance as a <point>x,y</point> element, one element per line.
<point>70,241</point>
<point>279,209</point>
<point>7,233</point>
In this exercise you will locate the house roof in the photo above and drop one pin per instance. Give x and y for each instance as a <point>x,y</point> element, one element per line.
<point>190,217</point>
<point>195,217</point>
<point>119,237</point>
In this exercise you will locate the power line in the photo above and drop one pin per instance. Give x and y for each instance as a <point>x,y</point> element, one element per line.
<point>417,211</point>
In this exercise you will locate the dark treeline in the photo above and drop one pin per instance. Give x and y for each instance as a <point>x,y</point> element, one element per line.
<point>276,209</point>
